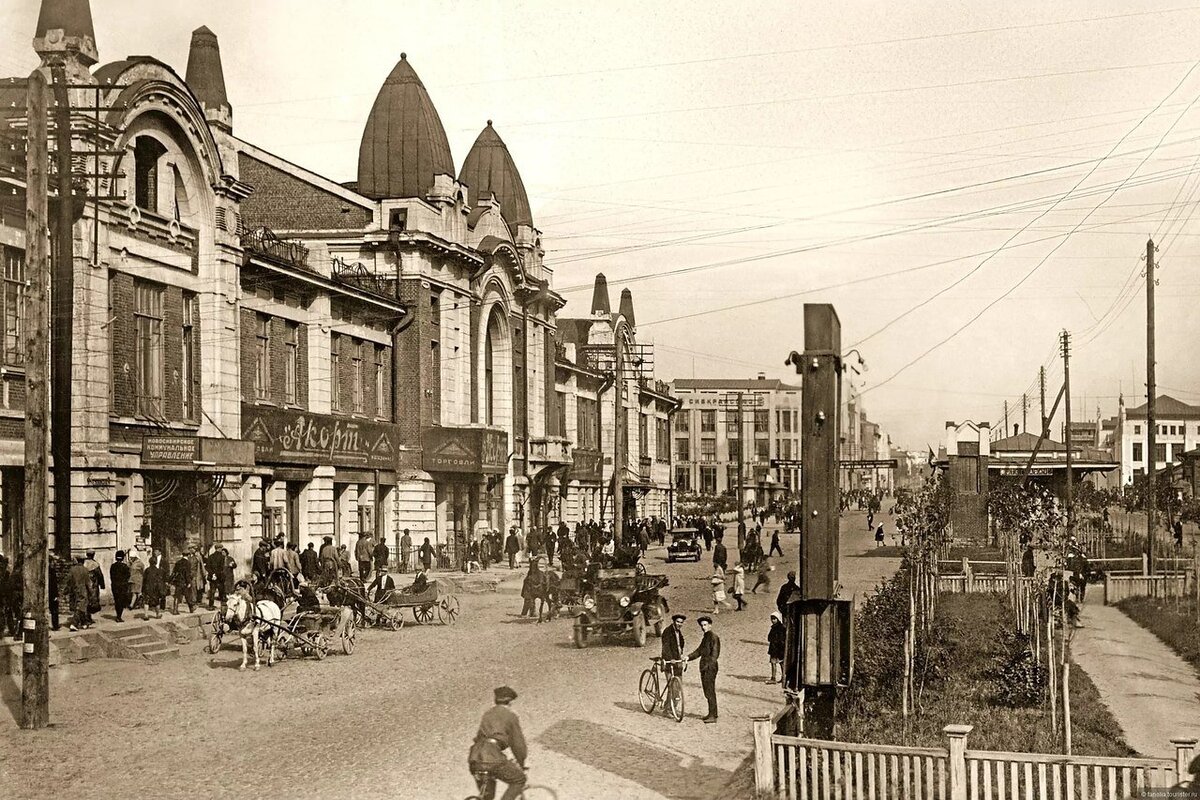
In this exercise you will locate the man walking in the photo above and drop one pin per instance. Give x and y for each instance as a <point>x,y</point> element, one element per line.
<point>720,558</point>
<point>118,575</point>
<point>405,550</point>
<point>215,567</point>
<point>93,568</point>
<point>775,543</point>
<point>363,551</point>
<point>512,547</point>
<point>708,652</point>
<point>181,579</point>
<point>79,582</point>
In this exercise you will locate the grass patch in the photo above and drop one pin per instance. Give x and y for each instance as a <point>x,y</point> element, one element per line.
<point>1178,630</point>
<point>961,686</point>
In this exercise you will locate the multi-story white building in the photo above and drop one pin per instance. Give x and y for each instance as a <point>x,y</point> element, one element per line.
<point>708,436</point>
<point>1178,431</point>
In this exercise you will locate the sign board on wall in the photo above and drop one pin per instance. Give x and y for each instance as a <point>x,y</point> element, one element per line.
<point>170,449</point>
<point>453,449</point>
<point>300,437</point>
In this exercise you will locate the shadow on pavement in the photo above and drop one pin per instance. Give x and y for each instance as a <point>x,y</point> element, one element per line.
<point>658,711</point>
<point>636,760</point>
<point>752,678</point>
<point>10,695</point>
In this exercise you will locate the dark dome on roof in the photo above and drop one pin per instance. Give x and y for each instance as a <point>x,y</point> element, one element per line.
<point>404,144</point>
<point>489,169</point>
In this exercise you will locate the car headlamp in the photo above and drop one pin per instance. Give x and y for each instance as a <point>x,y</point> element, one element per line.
<point>624,602</point>
<point>588,602</point>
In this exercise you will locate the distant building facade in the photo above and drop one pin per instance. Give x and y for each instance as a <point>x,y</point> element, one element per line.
<point>1178,432</point>
<point>708,436</point>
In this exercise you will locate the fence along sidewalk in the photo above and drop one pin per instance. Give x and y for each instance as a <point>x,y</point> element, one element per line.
<point>812,769</point>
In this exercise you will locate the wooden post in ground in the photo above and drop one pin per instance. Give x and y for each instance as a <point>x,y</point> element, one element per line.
<point>1184,747</point>
<point>35,659</point>
<point>1066,681</point>
<point>764,755</point>
<point>958,759</point>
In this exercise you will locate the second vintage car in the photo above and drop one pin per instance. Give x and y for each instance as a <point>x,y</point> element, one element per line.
<point>684,545</point>
<point>622,602</point>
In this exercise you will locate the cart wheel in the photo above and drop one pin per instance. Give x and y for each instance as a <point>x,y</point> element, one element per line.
<point>394,622</point>
<point>320,646</point>
<point>448,610</point>
<point>423,614</point>
<point>348,641</point>
<point>214,644</point>
<point>360,621</point>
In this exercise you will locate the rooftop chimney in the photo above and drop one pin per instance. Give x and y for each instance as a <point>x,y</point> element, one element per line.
<point>207,79</point>
<point>762,376</point>
<point>600,296</point>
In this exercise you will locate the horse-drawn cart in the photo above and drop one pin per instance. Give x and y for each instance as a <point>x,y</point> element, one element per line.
<point>433,600</point>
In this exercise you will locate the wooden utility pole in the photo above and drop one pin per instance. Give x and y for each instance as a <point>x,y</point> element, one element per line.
<point>1066,357</point>
<point>820,367</point>
<point>1006,419</point>
<point>1024,410</point>
<point>1042,391</point>
<point>618,431</point>
<point>35,658</point>
<point>1151,417</point>
<point>62,305</point>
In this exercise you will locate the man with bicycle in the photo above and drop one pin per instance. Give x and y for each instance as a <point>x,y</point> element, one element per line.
<point>499,730</point>
<point>672,646</point>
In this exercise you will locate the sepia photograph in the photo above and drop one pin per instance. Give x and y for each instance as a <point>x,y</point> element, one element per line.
<point>525,399</point>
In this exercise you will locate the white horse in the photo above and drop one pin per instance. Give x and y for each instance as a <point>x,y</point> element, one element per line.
<point>253,621</point>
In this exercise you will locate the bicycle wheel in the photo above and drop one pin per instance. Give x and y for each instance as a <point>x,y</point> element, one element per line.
<point>538,793</point>
<point>648,690</point>
<point>675,698</point>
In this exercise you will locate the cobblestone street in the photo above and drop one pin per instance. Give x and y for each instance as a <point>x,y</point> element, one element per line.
<point>395,719</point>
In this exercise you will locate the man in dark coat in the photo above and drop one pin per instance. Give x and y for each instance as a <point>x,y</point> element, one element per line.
<point>154,585</point>
<point>706,533</point>
<point>500,730</point>
<point>93,568</point>
<point>405,550</point>
<point>79,582</point>
<point>550,542</point>
<point>381,554</point>
<point>719,555</point>
<point>364,548</point>
<point>260,564</point>
<point>425,552</point>
<point>775,544</point>
<point>310,565</point>
<point>215,571</point>
<point>382,585</point>
<point>512,547</point>
<point>118,575</point>
<point>785,592</point>
<point>328,560</point>
<point>181,579</point>
<point>708,652</point>
<point>672,644</point>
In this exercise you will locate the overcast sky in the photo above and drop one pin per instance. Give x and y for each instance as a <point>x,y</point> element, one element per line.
<point>869,155</point>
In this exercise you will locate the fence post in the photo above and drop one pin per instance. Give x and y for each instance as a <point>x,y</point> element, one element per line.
<point>1184,747</point>
<point>1145,565</point>
<point>764,757</point>
<point>968,578</point>
<point>958,759</point>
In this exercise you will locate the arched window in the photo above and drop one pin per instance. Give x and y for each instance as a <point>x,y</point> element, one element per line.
<point>146,154</point>
<point>489,368</point>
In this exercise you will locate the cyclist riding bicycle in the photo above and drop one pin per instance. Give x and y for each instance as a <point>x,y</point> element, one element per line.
<point>499,730</point>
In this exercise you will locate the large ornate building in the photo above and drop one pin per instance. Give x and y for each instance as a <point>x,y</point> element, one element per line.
<point>262,350</point>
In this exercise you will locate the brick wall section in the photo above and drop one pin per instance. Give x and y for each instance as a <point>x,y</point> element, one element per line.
<point>302,367</point>
<point>413,373</point>
<point>197,359</point>
<point>552,397</point>
<point>248,352</point>
<point>123,344</point>
<point>282,201</point>
<point>173,353</point>
<point>278,389</point>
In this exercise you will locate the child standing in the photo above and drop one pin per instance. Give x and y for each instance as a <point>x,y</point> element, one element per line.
<point>718,590</point>
<point>776,643</point>
<point>739,585</point>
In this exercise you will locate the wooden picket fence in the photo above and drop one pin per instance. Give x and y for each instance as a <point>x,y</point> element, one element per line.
<point>796,768</point>
<point>1119,587</point>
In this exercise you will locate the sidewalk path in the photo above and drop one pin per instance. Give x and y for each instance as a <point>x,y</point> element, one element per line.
<point>1153,693</point>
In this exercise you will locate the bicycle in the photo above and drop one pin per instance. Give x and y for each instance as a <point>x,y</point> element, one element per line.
<point>656,686</point>
<point>485,784</point>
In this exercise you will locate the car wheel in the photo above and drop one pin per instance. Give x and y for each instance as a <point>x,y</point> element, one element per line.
<point>639,631</point>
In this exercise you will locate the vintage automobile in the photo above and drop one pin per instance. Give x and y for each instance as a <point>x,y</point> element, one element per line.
<point>622,601</point>
<point>684,545</point>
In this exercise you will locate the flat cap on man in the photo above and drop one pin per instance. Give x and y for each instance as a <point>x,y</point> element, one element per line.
<point>704,619</point>
<point>504,694</point>
<point>679,617</point>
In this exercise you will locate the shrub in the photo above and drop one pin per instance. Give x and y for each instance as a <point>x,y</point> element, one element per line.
<point>1019,681</point>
